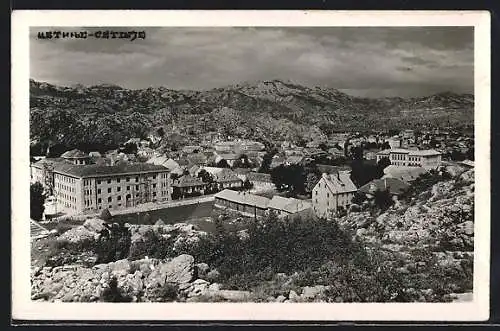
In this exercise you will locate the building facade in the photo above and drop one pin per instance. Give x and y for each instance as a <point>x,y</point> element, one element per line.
<point>332,192</point>
<point>428,159</point>
<point>80,189</point>
<point>242,202</point>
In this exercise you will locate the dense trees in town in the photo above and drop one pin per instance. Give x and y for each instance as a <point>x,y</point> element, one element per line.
<point>222,164</point>
<point>37,199</point>
<point>265,166</point>
<point>383,199</point>
<point>243,162</point>
<point>289,178</point>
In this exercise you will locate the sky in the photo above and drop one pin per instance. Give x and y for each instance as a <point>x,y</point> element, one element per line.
<point>361,61</point>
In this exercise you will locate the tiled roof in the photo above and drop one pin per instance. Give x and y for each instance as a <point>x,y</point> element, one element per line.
<point>468,163</point>
<point>294,159</point>
<point>259,177</point>
<point>339,183</point>
<point>329,169</point>
<point>47,162</point>
<point>243,198</point>
<point>289,205</point>
<point>95,170</point>
<point>426,152</point>
<point>226,175</point>
<point>229,156</point>
<point>187,181</point>
<point>406,174</point>
<point>74,153</point>
<point>197,158</point>
<point>394,185</point>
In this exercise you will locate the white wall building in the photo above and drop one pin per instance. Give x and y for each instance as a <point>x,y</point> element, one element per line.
<point>428,159</point>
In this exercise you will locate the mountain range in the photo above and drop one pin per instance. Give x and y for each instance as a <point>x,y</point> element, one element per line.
<point>267,109</point>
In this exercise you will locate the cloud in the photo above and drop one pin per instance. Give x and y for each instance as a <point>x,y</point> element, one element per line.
<point>399,61</point>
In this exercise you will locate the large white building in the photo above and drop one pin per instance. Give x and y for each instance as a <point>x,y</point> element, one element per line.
<point>332,192</point>
<point>428,159</point>
<point>81,188</point>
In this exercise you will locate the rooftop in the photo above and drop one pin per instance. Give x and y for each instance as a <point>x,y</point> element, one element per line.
<point>74,154</point>
<point>393,185</point>
<point>289,205</point>
<point>423,152</point>
<point>339,183</point>
<point>243,198</point>
<point>406,174</point>
<point>259,177</point>
<point>187,181</point>
<point>96,170</point>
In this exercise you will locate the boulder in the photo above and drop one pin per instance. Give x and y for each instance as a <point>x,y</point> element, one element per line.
<point>312,292</point>
<point>280,298</point>
<point>234,295</point>
<point>178,271</point>
<point>213,275</point>
<point>202,270</point>
<point>120,267</point>
<point>214,287</point>
<point>94,225</point>
<point>293,296</point>
<point>467,227</point>
<point>76,235</point>
<point>199,287</point>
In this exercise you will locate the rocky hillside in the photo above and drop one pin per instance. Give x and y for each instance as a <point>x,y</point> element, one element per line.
<point>420,249</point>
<point>104,113</point>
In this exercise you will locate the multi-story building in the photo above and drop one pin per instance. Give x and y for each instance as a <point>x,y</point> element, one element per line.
<point>42,172</point>
<point>428,159</point>
<point>81,188</point>
<point>332,192</point>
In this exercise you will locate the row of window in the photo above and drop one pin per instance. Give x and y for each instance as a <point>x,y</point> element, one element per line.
<point>65,187</point>
<point>66,179</point>
<point>398,156</point>
<point>118,180</point>
<point>67,197</point>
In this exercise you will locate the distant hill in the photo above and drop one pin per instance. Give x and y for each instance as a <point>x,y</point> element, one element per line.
<point>268,109</point>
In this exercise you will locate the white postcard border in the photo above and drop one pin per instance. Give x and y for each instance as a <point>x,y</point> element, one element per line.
<point>24,308</point>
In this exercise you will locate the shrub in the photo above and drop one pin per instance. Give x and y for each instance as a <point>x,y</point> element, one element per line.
<point>114,294</point>
<point>167,293</point>
<point>272,246</point>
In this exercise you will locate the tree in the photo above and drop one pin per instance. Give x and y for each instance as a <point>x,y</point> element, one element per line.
<point>37,199</point>
<point>383,199</point>
<point>266,162</point>
<point>205,176</point>
<point>323,147</point>
<point>311,180</point>
<point>385,145</point>
<point>470,154</point>
<point>160,131</point>
<point>243,162</point>
<point>130,148</point>
<point>289,177</point>
<point>381,165</point>
<point>358,198</point>
<point>223,164</point>
<point>247,185</point>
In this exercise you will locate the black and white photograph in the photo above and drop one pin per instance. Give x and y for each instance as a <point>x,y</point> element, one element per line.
<point>253,164</point>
